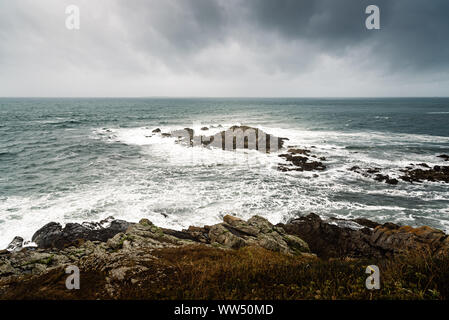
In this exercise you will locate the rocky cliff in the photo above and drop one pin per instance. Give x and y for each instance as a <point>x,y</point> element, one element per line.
<point>120,253</point>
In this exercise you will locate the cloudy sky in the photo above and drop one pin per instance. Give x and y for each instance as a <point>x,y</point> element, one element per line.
<point>298,48</point>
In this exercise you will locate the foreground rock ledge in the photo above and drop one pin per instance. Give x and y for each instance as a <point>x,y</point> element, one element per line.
<point>110,242</point>
<point>117,256</point>
<point>306,236</point>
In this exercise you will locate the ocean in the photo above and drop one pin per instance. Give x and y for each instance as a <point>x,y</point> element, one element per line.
<point>75,160</point>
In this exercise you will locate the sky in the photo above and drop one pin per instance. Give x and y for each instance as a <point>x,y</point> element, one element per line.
<point>224,48</point>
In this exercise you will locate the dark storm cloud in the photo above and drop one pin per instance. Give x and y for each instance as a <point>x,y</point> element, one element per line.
<point>417,35</point>
<point>414,33</point>
<point>322,19</point>
<point>174,31</point>
<point>254,45</point>
<point>186,25</point>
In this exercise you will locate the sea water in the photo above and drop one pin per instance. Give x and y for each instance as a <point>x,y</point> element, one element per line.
<point>74,160</point>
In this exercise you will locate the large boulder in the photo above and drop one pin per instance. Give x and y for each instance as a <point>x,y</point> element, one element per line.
<point>53,235</point>
<point>144,235</point>
<point>235,233</point>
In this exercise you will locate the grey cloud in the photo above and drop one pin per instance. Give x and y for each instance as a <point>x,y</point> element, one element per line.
<point>173,30</point>
<point>414,34</point>
<point>223,39</point>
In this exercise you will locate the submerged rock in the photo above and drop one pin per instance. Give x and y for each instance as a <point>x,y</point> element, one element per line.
<point>299,151</point>
<point>375,174</point>
<point>385,178</point>
<point>425,165</point>
<point>300,163</point>
<point>410,174</point>
<point>435,174</point>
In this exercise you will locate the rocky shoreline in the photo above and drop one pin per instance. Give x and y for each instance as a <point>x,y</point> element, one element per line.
<point>329,238</point>
<point>121,251</point>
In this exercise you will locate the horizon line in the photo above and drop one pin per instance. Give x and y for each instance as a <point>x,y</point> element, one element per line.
<point>222,97</point>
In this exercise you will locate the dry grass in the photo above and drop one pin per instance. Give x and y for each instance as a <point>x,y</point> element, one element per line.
<point>255,273</point>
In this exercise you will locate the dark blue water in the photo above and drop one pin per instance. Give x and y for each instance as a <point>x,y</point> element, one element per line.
<point>85,159</point>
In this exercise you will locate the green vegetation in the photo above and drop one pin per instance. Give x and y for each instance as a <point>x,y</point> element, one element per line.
<point>46,261</point>
<point>123,239</point>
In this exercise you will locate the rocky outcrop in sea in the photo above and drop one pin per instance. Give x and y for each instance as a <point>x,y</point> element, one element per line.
<point>298,158</point>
